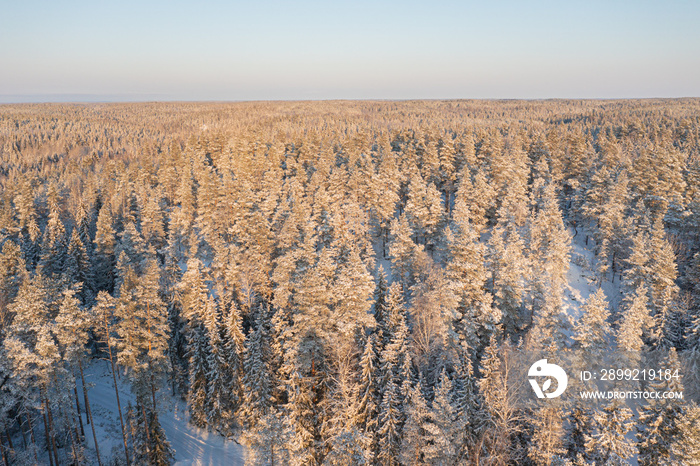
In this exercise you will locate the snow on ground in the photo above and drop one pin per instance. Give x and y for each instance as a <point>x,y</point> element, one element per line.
<point>193,446</point>
<point>582,280</point>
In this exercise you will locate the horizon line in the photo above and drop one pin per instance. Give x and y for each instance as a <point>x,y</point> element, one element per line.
<point>87,98</point>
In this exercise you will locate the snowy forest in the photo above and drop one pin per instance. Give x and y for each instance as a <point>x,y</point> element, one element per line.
<point>344,283</point>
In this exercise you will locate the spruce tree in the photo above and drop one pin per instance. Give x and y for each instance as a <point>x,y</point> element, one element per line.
<point>160,451</point>
<point>104,259</point>
<point>414,444</point>
<point>391,418</point>
<point>368,396</point>
<point>219,412</point>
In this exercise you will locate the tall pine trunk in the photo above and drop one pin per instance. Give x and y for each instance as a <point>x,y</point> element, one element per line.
<point>46,431</point>
<point>119,406</point>
<point>52,431</point>
<point>116,388</point>
<point>88,412</point>
<point>4,454</point>
<point>77,407</point>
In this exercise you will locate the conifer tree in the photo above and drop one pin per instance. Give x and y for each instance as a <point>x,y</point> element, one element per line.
<point>402,249</point>
<point>592,328</point>
<point>508,267</point>
<point>424,209</point>
<point>390,425</point>
<point>303,440</point>
<point>467,274</point>
<point>161,453</point>
<point>635,320</point>
<point>499,397</point>
<point>414,444</point>
<point>657,425</point>
<point>103,312</point>
<point>72,326</point>
<point>137,430</point>
<point>265,443</point>
<point>685,448</point>
<point>219,384</point>
<point>580,429</point>
<point>258,379</point>
<point>548,434</point>
<point>77,268</point>
<point>104,259</point>
<point>609,444</point>
<point>194,305</point>
<point>380,296</point>
<point>663,288</point>
<point>442,434</point>
<point>12,273</point>
<point>142,328</point>
<point>368,397</point>
<point>54,245</point>
<point>548,242</point>
<point>234,355</point>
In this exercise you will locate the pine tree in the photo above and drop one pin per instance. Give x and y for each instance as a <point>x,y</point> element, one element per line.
<point>663,288</point>
<point>29,228</point>
<point>475,197</point>
<point>592,328</point>
<point>152,220</point>
<point>72,326</point>
<point>548,243</point>
<point>609,443</point>
<point>137,430</point>
<point>12,273</point>
<point>635,320</point>
<point>352,295</point>
<point>103,312</point>
<point>142,327</point>
<point>685,448</point>
<point>395,352</point>
<point>194,304</point>
<point>197,353</point>
<point>549,256</point>
<point>580,429</point>
<point>466,271</point>
<point>508,267</point>
<point>657,426</point>
<point>638,271</point>
<point>424,209</point>
<point>303,422</point>
<point>402,249</point>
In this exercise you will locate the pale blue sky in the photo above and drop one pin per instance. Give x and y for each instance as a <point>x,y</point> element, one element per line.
<point>229,50</point>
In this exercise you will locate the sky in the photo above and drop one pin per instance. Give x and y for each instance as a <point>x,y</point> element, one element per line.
<point>132,50</point>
